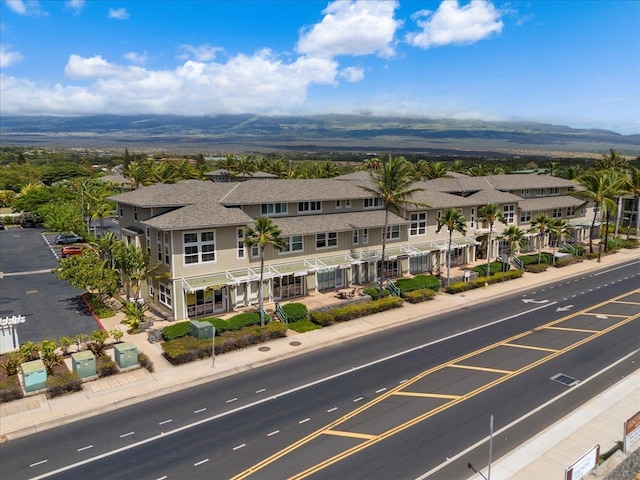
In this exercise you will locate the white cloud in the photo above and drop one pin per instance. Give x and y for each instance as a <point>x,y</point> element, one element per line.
<point>30,7</point>
<point>352,74</point>
<point>9,58</point>
<point>135,57</point>
<point>200,53</point>
<point>97,67</point>
<point>76,5</point>
<point>118,13</point>
<point>452,24</point>
<point>360,27</point>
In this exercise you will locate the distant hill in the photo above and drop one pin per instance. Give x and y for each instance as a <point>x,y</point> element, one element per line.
<point>309,133</point>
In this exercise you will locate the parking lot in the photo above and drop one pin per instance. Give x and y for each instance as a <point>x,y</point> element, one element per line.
<point>52,307</point>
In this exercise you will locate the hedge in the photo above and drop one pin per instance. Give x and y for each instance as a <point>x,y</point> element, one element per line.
<point>536,267</point>
<point>186,349</point>
<point>417,296</point>
<point>481,281</point>
<point>10,389</point>
<point>177,330</point>
<point>296,312</point>
<point>64,383</point>
<point>106,366</point>
<point>545,257</point>
<point>564,261</point>
<point>373,292</point>
<point>495,267</point>
<point>237,322</point>
<point>419,282</point>
<point>349,312</point>
<point>302,326</point>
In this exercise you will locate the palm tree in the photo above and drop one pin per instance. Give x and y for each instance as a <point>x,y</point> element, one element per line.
<point>596,190</point>
<point>632,186</point>
<point>228,163</point>
<point>559,229</point>
<point>477,170</point>
<point>244,167</point>
<point>329,169</point>
<point>138,174</point>
<point>372,164</point>
<point>185,170</point>
<point>278,167</point>
<point>616,180</point>
<point>515,236</point>
<point>165,172</point>
<point>540,224</point>
<point>263,232</point>
<point>489,214</point>
<point>457,166</point>
<point>613,160</point>
<point>392,183</point>
<point>454,221</point>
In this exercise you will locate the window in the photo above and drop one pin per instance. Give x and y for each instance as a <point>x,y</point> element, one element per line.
<point>556,213</point>
<point>356,237</point>
<point>164,294</point>
<point>135,213</point>
<point>393,232</point>
<point>338,204</point>
<point>554,191</point>
<point>526,192</point>
<point>147,236</point>
<point>273,209</point>
<point>241,244</point>
<point>304,207</point>
<point>347,203</point>
<point>571,211</point>
<point>326,240</point>
<point>365,236</point>
<point>199,247</point>
<point>525,217</point>
<point>159,246</point>
<point>167,248</point>
<point>418,224</point>
<point>292,244</point>
<point>372,202</point>
<point>255,251</point>
<point>472,221</point>
<point>330,279</point>
<point>508,212</point>
<point>120,214</point>
<point>539,192</point>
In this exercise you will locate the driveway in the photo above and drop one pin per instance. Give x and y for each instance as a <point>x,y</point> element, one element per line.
<point>52,307</point>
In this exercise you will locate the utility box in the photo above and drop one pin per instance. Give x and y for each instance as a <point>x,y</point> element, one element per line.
<point>34,376</point>
<point>200,329</point>
<point>125,354</point>
<point>84,364</point>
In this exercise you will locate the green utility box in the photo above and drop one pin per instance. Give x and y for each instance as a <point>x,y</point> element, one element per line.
<point>34,376</point>
<point>126,354</point>
<point>84,364</point>
<point>200,329</point>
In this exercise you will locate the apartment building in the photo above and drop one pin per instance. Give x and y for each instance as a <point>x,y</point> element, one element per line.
<point>195,231</point>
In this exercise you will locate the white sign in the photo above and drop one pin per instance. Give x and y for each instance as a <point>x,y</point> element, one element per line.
<point>631,432</point>
<point>584,465</point>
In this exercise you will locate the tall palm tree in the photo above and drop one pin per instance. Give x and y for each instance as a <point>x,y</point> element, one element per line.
<point>263,232</point>
<point>613,160</point>
<point>616,180</point>
<point>392,182</point>
<point>244,167</point>
<point>490,214</point>
<point>185,170</point>
<point>329,169</point>
<point>372,164</point>
<point>228,163</point>
<point>596,190</point>
<point>477,170</point>
<point>454,221</point>
<point>138,174</point>
<point>165,172</point>
<point>559,229</point>
<point>540,225</point>
<point>632,186</point>
<point>515,236</point>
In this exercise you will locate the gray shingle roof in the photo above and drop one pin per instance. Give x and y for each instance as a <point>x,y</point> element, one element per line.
<point>547,203</point>
<point>178,194</point>
<point>202,214</point>
<point>337,222</point>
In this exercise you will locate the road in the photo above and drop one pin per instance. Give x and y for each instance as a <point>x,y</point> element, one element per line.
<point>391,405</point>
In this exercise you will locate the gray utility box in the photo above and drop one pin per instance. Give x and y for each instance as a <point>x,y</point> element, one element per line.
<point>126,354</point>
<point>34,375</point>
<point>84,364</point>
<point>200,329</point>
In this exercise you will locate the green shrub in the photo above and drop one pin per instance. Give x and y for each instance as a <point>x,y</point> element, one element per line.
<point>145,361</point>
<point>419,282</point>
<point>545,257</point>
<point>63,383</point>
<point>177,330</point>
<point>295,312</point>
<point>536,267</point>
<point>302,326</point>
<point>106,366</point>
<point>11,363</point>
<point>10,389</point>
<point>565,261</point>
<point>417,296</point>
<point>373,292</point>
<point>97,305</point>
<point>186,349</point>
<point>591,256</point>
<point>242,320</point>
<point>322,319</point>
<point>234,340</point>
<point>481,281</point>
<point>349,312</point>
<point>623,243</point>
<point>495,267</point>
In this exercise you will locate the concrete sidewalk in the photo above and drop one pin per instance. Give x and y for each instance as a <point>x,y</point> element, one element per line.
<point>540,458</point>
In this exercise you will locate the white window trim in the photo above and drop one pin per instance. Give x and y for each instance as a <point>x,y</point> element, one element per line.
<point>164,291</point>
<point>375,203</point>
<point>327,240</point>
<point>289,242</point>
<point>420,222</point>
<point>355,237</point>
<point>365,236</point>
<point>284,209</point>
<point>309,210</point>
<point>199,243</point>
<point>240,246</point>
<point>391,230</point>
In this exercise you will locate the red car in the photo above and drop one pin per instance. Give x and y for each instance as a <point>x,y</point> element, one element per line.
<point>69,250</point>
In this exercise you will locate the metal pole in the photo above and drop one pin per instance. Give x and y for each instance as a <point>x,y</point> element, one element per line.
<point>213,348</point>
<point>615,236</point>
<point>490,446</point>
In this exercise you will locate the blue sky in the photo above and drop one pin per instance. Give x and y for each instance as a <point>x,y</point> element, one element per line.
<point>573,63</point>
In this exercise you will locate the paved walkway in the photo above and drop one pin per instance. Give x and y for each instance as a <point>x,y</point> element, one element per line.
<point>543,457</point>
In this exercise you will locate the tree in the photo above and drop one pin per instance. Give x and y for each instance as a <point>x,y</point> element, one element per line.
<point>263,232</point>
<point>88,271</point>
<point>106,246</point>
<point>515,236</point>
<point>613,160</point>
<point>392,183</point>
<point>139,174</point>
<point>165,172</point>
<point>489,214</point>
<point>62,217</point>
<point>559,229</point>
<point>127,159</point>
<point>540,225</point>
<point>185,170</point>
<point>477,170</point>
<point>632,186</point>
<point>244,167</point>
<point>616,180</point>
<point>454,221</point>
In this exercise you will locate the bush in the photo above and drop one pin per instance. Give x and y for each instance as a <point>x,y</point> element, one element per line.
<point>177,330</point>
<point>419,282</point>
<point>186,349</point>
<point>565,261</point>
<point>417,296</point>
<point>373,292</point>
<point>536,267</point>
<point>481,281</point>
<point>302,326</point>
<point>63,383</point>
<point>97,305</point>
<point>145,362</point>
<point>106,366</point>
<point>242,320</point>
<point>322,319</point>
<point>591,256</point>
<point>10,389</point>
<point>11,363</point>
<point>295,312</point>
<point>495,267</point>
<point>349,312</point>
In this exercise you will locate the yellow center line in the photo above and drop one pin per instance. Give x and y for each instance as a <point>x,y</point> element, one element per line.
<point>342,433</point>
<point>506,342</point>
<point>481,369</point>
<point>428,395</point>
<point>567,329</point>
<point>530,347</point>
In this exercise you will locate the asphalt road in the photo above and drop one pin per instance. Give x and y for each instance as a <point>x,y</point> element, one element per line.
<point>455,366</point>
<point>52,307</point>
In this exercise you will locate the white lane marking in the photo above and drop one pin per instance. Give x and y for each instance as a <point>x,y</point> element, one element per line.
<point>85,448</point>
<point>304,421</point>
<point>38,463</point>
<point>380,390</point>
<point>525,416</point>
<point>402,381</point>
<point>242,445</point>
<point>200,462</point>
<point>261,390</point>
<point>357,399</point>
<point>232,400</point>
<point>332,409</point>
<point>286,392</point>
<point>199,410</point>
<point>126,434</point>
<point>162,478</point>
<point>275,432</point>
<point>166,421</point>
<point>616,268</point>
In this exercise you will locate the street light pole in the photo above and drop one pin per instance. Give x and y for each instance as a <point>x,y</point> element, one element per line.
<point>213,348</point>
<point>490,446</point>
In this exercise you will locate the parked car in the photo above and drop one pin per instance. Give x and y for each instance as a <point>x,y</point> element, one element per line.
<point>28,223</point>
<point>69,250</point>
<point>67,238</point>
<point>2,227</point>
